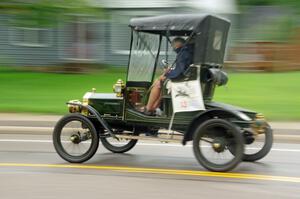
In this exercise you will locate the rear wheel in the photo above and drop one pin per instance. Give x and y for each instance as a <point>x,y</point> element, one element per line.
<point>211,143</point>
<point>75,138</point>
<point>260,147</point>
<point>119,146</point>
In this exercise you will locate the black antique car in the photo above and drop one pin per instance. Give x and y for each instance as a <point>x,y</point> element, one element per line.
<point>222,135</point>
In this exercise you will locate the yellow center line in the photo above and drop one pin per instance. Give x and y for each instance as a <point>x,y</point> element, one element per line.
<point>161,171</point>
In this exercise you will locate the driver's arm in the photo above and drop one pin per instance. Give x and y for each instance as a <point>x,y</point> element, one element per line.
<point>183,60</point>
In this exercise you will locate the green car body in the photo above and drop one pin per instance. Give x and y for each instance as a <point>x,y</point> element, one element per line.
<point>116,108</point>
<point>119,116</point>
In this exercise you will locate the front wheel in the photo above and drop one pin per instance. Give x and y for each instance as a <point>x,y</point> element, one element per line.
<point>75,138</point>
<point>212,141</point>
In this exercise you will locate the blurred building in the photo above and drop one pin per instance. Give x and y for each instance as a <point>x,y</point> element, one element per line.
<point>89,39</point>
<point>267,38</point>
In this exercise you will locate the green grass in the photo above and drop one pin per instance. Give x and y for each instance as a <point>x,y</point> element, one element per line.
<point>277,95</point>
<point>48,92</point>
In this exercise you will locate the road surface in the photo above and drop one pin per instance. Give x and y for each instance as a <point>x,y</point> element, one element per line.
<point>30,168</point>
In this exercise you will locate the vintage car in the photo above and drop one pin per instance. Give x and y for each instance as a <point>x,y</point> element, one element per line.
<point>222,135</point>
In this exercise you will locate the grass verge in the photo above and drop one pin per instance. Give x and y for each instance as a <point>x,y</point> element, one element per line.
<point>277,95</point>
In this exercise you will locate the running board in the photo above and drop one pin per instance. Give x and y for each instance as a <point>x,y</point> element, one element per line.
<point>170,138</point>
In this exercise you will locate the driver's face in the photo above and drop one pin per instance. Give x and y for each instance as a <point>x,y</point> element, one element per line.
<point>176,45</point>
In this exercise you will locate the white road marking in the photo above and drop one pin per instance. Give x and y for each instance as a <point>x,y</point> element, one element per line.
<point>140,144</point>
<point>17,140</point>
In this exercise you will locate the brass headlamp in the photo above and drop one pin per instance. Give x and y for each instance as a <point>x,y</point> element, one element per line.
<point>260,124</point>
<point>73,108</point>
<point>118,88</point>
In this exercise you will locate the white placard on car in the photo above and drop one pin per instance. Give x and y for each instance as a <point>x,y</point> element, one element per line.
<point>187,96</point>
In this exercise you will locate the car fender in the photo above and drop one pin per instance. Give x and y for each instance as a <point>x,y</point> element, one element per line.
<point>95,113</point>
<point>212,113</point>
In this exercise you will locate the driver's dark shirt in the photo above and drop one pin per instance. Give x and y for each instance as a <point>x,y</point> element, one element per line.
<point>184,59</point>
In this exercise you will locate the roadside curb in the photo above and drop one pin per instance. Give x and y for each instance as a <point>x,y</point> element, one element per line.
<point>31,124</point>
<point>29,130</point>
<point>15,119</point>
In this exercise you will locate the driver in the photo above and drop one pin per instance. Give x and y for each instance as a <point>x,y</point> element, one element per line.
<point>184,59</point>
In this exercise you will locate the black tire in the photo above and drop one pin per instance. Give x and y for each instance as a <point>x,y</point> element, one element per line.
<point>268,142</point>
<point>86,124</point>
<point>119,149</point>
<point>218,129</point>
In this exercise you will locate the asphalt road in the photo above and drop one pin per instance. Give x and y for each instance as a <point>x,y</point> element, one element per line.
<point>30,168</point>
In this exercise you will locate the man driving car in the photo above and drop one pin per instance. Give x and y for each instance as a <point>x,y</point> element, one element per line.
<point>184,59</point>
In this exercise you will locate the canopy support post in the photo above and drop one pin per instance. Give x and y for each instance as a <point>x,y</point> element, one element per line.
<point>170,126</point>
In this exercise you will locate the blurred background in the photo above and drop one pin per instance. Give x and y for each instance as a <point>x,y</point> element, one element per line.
<point>55,50</point>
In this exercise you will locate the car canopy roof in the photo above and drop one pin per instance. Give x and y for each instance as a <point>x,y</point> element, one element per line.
<point>185,23</point>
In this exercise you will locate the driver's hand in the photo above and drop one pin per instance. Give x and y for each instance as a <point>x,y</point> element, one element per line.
<point>162,77</point>
<point>166,70</point>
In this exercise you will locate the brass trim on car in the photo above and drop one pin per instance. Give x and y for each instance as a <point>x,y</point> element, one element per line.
<point>85,111</point>
<point>74,108</point>
<point>259,124</point>
<point>118,88</point>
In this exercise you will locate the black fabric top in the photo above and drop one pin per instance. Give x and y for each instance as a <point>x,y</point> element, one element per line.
<point>182,22</point>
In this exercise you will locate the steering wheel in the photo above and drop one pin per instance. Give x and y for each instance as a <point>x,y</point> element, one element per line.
<point>165,64</point>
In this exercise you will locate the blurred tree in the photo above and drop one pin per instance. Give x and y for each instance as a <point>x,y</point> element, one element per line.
<point>43,13</point>
<point>293,3</point>
<point>255,2</point>
<point>279,28</point>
